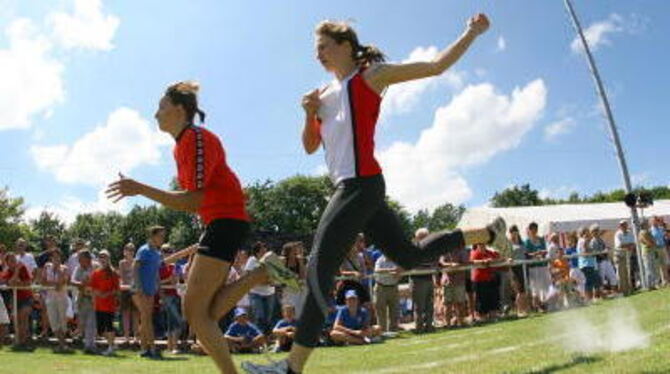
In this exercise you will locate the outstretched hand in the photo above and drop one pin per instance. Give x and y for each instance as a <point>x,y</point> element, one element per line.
<point>478,23</point>
<point>122,188</point>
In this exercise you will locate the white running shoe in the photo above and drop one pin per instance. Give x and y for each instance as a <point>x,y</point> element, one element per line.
<point>279,273</point>
<point>275,367</point>
<point>500,240</point>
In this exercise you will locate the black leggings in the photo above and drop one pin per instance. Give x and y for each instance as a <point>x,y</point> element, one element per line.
<point>358,205</point>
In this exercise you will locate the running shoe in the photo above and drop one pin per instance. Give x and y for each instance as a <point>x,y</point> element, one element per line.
<point>279,273</point>
<point>500,242</point>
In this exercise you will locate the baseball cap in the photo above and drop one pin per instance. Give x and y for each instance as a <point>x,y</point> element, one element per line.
<point>350,293</point>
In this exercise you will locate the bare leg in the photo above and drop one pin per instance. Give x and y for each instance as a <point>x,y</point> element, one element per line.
<point>227,297</point>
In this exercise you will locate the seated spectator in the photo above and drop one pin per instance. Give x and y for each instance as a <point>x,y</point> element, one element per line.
<point>243,336</point>
<point>16,274</point>
<point>352,323</point>
<point>85,310</point>
<point>285,329</point>
<point>56,275</point>
<point>105,285</point>
<point>453,284</point>
<point>562,292</point>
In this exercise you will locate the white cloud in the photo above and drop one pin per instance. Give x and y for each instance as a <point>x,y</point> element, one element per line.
<point>403,97</point>
<point>476,125</point>
<point>123,143</point>
<point>501,44</point>
<point>558,128</point>
<point>31,70</point>
<point>31,79</point>
<point>320,170</point>
<point>598,33</point>
<point>87,27</point>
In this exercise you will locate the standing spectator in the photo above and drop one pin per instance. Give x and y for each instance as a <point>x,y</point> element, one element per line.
<point>539,277</point>
<point>171,303</point>
<point>423,290</point>
<point>624,246</point>
<point>658,233</point>
<point>649,258</point>
<point>50,246</point>
<point>56,275</point>
<point>129,313</point>
<point>105,286</point>
<point>284,330</point>
<point>518,275</point>
<point>78,245</point>
<point>352,323</point>
<point>485,282</point>
<point>243,336</point>
<point>262,297</point>
<point>16,274</point>
<point>81,278</point>
<point>241,259</point>
<point>588,265</point>
<point>145,268</point>
<point>24,257</point>
<point>296,263</point>
<point>386,293</point>
<point>575,273</point>
<point>605,267</point>
<point>454,287</point>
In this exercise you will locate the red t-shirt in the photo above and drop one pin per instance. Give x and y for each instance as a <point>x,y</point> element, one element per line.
<point>201,165</point>
<point>483,274</point>
<point>24,275</point>
<point>165,272</point>
<point>103,281</point>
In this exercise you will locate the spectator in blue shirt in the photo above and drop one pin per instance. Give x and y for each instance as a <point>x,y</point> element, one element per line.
<point>352,323</point>
<point>285,329</point>
<point>146,283</point>
<point>243,336</point>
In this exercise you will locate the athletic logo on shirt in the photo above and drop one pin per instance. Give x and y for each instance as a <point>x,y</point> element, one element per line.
<point>199,160</point>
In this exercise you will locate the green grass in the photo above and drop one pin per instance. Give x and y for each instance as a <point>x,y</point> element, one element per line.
<point>532,345</point>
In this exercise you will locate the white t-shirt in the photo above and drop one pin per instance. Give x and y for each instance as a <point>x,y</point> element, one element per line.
<point>552,251</point>
<point>28,260</point>
<point>51,276</point>
<point>263,290</point>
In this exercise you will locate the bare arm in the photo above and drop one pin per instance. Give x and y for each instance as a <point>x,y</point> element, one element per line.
<point>181,254</point>
<point>187,201</point>
<point>311,136</point>
<point>385,75</point>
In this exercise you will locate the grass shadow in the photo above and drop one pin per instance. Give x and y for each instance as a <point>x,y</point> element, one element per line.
<point>575,361</point>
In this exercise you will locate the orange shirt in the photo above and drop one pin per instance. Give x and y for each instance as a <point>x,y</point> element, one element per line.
<point>201,165</point>
<point>103,281</point>
<point>562,268</point>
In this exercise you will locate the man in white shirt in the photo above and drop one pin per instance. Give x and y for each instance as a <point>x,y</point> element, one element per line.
<point>386,293</point>
<point>262,297</point>
<point>24,257</point>
<point>624,246</point>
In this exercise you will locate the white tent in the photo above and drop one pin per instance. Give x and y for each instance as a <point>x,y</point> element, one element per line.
<point>562,218</point>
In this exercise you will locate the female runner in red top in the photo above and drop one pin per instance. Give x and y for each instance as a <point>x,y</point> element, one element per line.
<point>210,188</point>
<point>342,117</point>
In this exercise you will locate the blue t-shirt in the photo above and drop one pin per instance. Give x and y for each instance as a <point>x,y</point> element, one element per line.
<point>247,331</point>
<point>150,262</point>
<point>356,322</point>
<point>659,236</point>
<point>284,323</point>
<point>574,262</point>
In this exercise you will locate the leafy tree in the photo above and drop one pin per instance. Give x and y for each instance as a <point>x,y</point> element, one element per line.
<point>516,196</point>
<point>11,215</point>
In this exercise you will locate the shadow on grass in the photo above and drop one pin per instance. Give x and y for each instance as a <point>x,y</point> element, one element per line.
<point>575,361</point>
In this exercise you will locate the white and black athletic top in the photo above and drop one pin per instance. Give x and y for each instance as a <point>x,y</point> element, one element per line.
<point>347,120</point>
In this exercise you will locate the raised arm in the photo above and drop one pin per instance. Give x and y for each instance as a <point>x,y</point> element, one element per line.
<point>384,75</point>
<point>311,136</point>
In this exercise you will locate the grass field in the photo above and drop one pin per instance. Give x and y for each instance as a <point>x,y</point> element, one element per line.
<point>533,345</point>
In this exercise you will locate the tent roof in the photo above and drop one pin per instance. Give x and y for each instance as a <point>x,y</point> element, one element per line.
<point>561,218</point>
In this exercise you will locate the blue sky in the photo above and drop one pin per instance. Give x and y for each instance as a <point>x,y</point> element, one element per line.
<point>84,78</point>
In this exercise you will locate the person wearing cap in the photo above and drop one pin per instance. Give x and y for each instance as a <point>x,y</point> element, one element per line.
<point>624,246</point>
<point>352,323</point>
<point>243,336</point>
<point>605,267</point>
<point>105,284</point>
